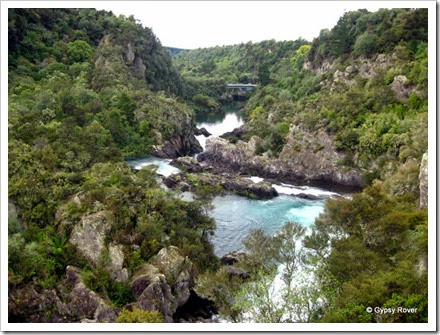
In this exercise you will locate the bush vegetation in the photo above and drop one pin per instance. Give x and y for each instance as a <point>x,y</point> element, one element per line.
<point>79,105</point>
<point>73,118</point>
<point>139,316</point>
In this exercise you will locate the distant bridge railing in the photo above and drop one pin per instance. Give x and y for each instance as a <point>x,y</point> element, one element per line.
<point>241,87</point>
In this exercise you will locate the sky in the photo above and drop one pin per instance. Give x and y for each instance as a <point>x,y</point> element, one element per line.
<point>201,24</point>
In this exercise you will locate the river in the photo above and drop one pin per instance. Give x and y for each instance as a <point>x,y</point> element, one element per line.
<point>235,215</point>
<point>225,120</point>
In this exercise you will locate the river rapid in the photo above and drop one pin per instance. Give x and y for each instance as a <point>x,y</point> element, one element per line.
<point>235,215</point>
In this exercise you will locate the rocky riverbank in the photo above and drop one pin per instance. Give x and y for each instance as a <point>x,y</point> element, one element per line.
<point>295,164</point>
<point>229,183</point>
<point>179,145</point>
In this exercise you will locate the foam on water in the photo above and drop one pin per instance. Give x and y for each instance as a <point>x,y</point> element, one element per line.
<point>295,190</point>
<point>163,165</point>
<point>255,179</point>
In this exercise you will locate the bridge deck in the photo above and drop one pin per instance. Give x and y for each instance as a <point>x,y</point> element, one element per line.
<point>241,87</point>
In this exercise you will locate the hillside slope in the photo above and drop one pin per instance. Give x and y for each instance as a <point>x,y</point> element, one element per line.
<point>86,90</point>
<point>348,108</point>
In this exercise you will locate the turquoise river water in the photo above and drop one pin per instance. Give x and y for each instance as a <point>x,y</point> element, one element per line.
<point>235,215</point>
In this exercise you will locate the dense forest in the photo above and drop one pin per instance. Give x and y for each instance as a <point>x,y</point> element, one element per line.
<point>88,89</point>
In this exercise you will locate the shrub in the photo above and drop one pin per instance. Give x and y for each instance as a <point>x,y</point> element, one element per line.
<point>366,44</point>
<point>99,280</point>
<point>79,51</point>
<point>139,316</point>
<point>120,294</point>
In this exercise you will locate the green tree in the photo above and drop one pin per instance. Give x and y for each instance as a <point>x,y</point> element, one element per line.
<point>264,74</point>
<point>366,44</point>
<point>79,51</point>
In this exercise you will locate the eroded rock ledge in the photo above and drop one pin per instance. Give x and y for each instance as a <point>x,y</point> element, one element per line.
<point>314,165</point>
<point>179,145</point>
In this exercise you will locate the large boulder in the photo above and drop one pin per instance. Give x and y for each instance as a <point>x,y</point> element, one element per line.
<point>178,270</point>
<point>165,283</point>
<point>423,178</point>
<point>177,146</point>
<point>307,196</point>
<point>89,237</point>
<point>233,257</point>
<point>236,134</point>
<point>152,292</point>
<point>84,303</point>
<point>202,131</point>
<point>246,187</point>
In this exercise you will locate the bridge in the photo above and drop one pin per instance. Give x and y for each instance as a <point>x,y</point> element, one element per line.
<point>240,87</point>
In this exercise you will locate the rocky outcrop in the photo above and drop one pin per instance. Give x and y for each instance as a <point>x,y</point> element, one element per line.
<point>202,131</point>
<point>178,270</point>
<point>165,284</point>
<point>134,61</point>
<point>362,67</point>
<point>346,77</point>
<point>421,266</point>
<point>129,54</point>
<point>423,178</point>
<point>152,292</point>
<point>71,301</point>
<point>307,157</point>
<point>401,88</point>
<point>119,60</point>
<point>89,237</point>
<point>63,216</point>
<point>29,305</point>
<point>233,257</point>
<point>236,134</point>
<point>323,68</point>
<point>227,181</point>
<point>189,164</point>
<point>182,145</point>
<point>368,67</point>
<point>84,303</point>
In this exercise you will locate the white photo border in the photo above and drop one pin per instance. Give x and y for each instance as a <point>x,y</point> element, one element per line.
<point>205,327</point>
